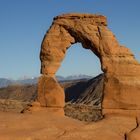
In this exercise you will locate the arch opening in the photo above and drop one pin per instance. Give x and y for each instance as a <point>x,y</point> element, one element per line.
<point>79,61</point>
<point>83,83</point>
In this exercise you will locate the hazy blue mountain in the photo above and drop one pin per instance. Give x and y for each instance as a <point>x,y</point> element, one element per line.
<point>27,81</point>
<point>60,78</point>
<point>6,82</point>
<point>77,77</point>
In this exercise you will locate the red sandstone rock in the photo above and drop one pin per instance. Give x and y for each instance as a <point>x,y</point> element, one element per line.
<point>50,93</point>
<point>48,124</point>
<point>122,71</point>
<point>135,133</point>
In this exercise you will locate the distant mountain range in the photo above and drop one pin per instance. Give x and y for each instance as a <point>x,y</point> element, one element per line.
<point>73,77</point>
<point>6,82</point>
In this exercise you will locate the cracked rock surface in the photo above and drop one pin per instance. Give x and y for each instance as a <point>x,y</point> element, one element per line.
<point>135,133</point>
<point>50,124</point>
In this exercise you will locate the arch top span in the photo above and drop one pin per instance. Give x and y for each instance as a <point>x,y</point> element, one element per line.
<point>117,62</point>
<point>89,29</point>
<point>97,19</point>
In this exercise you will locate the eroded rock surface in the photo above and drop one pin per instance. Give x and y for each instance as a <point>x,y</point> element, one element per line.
<point>50,93</point>
<point>121,84</point>
<point>121,69</point>
<point>49,124</point>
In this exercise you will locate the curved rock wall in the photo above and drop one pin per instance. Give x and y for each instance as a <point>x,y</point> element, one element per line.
<point>122,71</point>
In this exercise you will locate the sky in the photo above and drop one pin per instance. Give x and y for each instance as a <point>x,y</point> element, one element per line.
<point>23,24</point>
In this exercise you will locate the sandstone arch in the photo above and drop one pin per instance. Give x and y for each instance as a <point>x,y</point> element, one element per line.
<point>122,71</point>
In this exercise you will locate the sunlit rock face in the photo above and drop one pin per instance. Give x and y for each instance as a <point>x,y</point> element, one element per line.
<point>121,69</point>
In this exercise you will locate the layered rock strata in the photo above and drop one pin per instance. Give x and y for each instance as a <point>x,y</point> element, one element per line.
<point>121,69</point>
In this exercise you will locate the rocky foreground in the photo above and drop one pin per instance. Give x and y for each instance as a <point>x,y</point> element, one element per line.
<point>50,124</point>
<point>83,99</point>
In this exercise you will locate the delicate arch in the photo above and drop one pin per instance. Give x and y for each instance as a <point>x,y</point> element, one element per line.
<point>91,30</point>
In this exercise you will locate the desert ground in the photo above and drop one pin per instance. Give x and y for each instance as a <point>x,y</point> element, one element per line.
<point>52,125</point>
<point>82,119</point>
